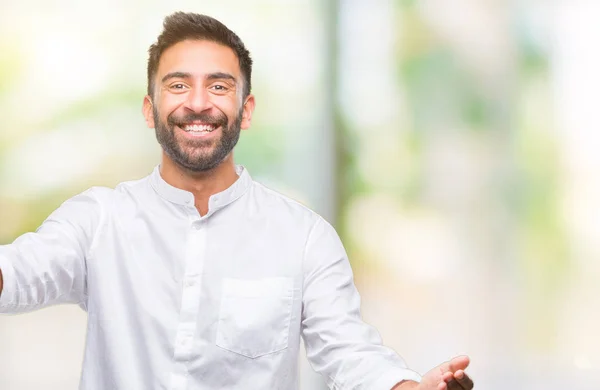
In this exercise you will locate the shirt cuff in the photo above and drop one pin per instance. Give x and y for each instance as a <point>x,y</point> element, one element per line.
<point>8,284</point>
<point>391,378</point>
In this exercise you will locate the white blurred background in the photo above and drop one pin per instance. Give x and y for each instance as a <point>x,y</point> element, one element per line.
<point>454,144</point>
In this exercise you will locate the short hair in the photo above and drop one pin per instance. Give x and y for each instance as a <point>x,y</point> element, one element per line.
<point>181,26</point>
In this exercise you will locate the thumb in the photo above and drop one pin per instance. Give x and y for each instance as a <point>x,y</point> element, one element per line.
<point>455,364</point>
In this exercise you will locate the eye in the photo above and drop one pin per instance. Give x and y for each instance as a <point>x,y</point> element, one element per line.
<point>219,88</point>
<point>178,86</point>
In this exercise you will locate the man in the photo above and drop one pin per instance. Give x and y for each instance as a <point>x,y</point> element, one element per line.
<point>196,277</point>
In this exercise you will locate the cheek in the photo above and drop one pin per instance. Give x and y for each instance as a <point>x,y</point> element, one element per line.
<point>170,102</point>
<point>228,105</point>
<point>166,111</point>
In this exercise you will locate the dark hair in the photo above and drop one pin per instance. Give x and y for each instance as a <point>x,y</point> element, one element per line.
<point>180,26</point>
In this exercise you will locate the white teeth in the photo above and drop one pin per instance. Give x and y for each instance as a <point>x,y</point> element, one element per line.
<point>199,128</point>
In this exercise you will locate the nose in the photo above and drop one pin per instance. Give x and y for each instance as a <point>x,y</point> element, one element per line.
<point>198,100</point>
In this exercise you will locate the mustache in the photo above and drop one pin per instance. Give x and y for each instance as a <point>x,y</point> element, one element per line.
<point>216,120</point>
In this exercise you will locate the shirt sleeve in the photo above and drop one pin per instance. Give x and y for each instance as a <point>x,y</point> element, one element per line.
<point>48,267</point>
<point>339,345</point>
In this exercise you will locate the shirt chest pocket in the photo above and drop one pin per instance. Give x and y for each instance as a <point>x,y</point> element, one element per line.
<point>255,315</point>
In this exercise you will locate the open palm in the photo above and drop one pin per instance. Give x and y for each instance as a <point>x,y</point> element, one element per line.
<point>448,376</point>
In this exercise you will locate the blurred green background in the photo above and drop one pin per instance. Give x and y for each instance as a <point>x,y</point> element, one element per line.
<point>453,143</point>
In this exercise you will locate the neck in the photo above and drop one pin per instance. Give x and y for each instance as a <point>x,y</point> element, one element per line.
<point>201,184</point>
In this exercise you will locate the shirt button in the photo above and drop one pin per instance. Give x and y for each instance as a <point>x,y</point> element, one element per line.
<point>189,282</point>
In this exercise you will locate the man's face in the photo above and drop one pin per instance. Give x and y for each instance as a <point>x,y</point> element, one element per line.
<point>197,109</point>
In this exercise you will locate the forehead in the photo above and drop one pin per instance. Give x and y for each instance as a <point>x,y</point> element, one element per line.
<point>198,57</point>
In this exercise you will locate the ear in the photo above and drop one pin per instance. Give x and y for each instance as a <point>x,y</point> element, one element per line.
<point>148,112</point>
<point>247,112</point>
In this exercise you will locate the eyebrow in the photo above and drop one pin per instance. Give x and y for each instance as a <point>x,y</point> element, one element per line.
<point>210,76</point>
<point>220,76</point>
<point>176,75</point>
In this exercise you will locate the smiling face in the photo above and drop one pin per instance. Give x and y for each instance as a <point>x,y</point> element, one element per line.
<point>198,109</point>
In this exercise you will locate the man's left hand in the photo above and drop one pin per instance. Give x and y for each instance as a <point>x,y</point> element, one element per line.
<point>450,375</point>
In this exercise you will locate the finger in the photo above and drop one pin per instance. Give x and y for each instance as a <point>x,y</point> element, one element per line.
<point>447,376</point>
<point>458,363</point>
<point>463,379</point>
<point>454,385</point>
<point>442,386</point>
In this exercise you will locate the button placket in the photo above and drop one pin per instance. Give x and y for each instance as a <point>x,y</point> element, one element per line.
<point>189,282</point>
<point>190,296</point>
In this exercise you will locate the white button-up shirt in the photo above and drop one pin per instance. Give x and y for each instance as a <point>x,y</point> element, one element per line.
<point>179,301</point>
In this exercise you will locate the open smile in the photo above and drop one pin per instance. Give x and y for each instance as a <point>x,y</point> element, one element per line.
<point>198,129</point>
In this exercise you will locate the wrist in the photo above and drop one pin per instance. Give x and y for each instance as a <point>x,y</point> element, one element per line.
<point>406,385</point>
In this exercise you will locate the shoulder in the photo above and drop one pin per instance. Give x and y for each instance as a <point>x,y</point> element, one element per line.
<point>290,215</point>
<point>106,196</point>
<point>91,208</point>
<point>283,205</point>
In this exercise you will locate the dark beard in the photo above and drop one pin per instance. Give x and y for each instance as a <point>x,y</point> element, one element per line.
<point>197,162</point>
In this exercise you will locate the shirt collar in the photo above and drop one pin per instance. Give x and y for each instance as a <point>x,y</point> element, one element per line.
<point>216,201</point>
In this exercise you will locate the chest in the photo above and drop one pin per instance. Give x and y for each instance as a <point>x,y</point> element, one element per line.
<point>168,265</point>
<point>233,287</point>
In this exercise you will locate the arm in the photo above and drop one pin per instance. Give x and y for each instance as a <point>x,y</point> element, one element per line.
<point>48,267</point>
<point>339,345</point>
